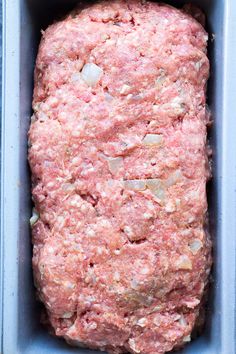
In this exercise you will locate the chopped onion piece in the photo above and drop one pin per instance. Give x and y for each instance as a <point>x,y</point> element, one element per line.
<point>115,164</point>
<point>154,183</point>
<point>170,207</point>
<point>153,139</point>
<point>142,322</point>
<point>156,321</point>
<point>135,184</point>
<point>156,187</point>
<point>132,345</point>
<point>67,315</point>
<point>160,80</point>
<point>156,308</point>
<point>160,194</point>
<point>68,187</point>
<point>91,74</point>
<point>174,178</point>
<point>195,246</point>
<point>184,263</point>
<point>34,218</point>
<point>116,276</point>
<point>124,89</point>
<point>187,339</point>
<point>182,321</point>
<point>134,284</point>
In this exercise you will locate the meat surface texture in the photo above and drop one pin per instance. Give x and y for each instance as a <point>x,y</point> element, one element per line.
<point>119,170</point>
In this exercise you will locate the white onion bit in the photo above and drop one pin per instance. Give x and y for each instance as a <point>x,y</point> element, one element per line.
<point>160,194</point>
<point>195,246</point>
<point>156,187</point>
<point>132,345</point>
<point>125,89</point>
<point>67,315</point>
<point>161,79</point>
<point>174,178</point>
<point>153,140</point>
<point>184,263</point>
<point>34,218</point>
<point>116,276</point>
<point>153,184</point>
<point>91,74</point>
<point>134,284</point>
<point>182,321</point>
<point>142,322</point>
<point>135,184</point>
<point>115,164</point>
<point>187,339</point>
<point>68,187</point>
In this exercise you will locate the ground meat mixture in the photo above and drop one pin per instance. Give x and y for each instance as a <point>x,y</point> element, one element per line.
<point>119,170</point>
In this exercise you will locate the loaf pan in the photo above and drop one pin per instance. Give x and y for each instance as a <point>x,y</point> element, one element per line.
<point>21,331</point>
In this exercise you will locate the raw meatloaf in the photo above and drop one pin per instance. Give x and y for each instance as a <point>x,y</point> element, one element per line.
<point>119,169</point>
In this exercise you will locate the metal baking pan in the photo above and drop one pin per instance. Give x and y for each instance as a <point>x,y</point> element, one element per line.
<point>21,332</point>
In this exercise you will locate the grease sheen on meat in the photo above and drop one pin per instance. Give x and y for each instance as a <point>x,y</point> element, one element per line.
<point>119,170</point>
